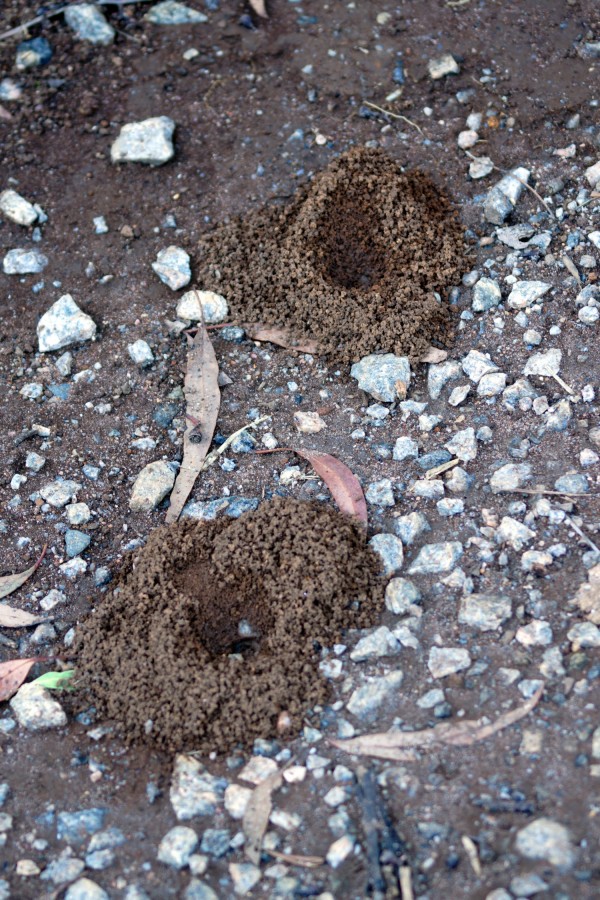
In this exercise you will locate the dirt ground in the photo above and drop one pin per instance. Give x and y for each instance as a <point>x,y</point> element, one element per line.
<point>261,107</point>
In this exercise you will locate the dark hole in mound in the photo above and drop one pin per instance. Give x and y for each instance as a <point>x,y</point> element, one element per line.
<point>214,628</point>
<point>353,260</point>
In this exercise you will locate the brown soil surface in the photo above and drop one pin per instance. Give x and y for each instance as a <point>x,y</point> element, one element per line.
<point>214,629</point>
<point>352,261</point>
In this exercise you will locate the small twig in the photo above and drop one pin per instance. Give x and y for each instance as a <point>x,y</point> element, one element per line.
<point>452,3</point>
<point>433,473</point>
<point>393,115</point>
<point>562,383</point>
<point>572,268</point>
<point>406,883</point>
<point>57,12</point>
<point>516,177</point>
<point>213,457</point>
<point>471,851</point>
<point>549,493</point>
<point>581,534</point>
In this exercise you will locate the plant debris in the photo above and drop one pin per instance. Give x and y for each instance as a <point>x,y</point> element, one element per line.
<point>256,817</point>
<point>12,675</point>
<point>10,583</point>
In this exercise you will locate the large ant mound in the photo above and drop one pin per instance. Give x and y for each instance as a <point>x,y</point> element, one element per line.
<point>214,628</point>
<point>353,261</point>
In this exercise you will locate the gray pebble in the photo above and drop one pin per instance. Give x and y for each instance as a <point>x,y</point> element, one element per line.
<point>76,542</point>
<point>89,24</point>
<point>485,612</point>
<point>400,595</point>
<point>149,142</point>
<point>410,527</point>
<point>177,846</point>
<point>389,548</point>
<point>436,559</point>
<point>172,266</point>
<point>85,889</point>
<point>547,840</point>
<point>378,375</point>
<point>486,295</point>
<point>64,323</point>
<point>24,262</point>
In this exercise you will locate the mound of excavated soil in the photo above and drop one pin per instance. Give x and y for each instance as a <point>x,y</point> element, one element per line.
<point>214,628</point>
<point>352,261</point>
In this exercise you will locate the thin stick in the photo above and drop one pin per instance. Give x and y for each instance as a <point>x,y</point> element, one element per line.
<point>572,268</point>
<point>549,493</point>
<point>516,177</point>
<point>213,457</point>
<point>57,12</point>
<point>406,883</point>
<point>386,112</point>
<point>433,473</point>
<point>562,383</point>
<point>471,851</point>
<point>581,534</point>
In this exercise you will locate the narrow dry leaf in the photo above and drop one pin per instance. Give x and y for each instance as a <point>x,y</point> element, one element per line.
<point>471,851</point>
<point>17,618</point>
<point>12,675</point>
<point>10,583</point>
<point>344,485</point>
<point>406,883</point>
<point>307,862</point>
<point>259,8</point>
<point>256,817</point>
<point>279,336</point>
<point>203,399</point>
<point>4,114</point>
<point>395,744</point>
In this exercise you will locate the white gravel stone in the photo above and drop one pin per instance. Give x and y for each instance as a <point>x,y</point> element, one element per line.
<point>480,167</point>
<point>385,377</point>
<point>588,315</point>
<point>547,363</point>
<point>34,462</point>
<point>58,493</point>
<point>152,485</point>
<point>405,448</point>
<point>491,385</point>
<point>511,531</point>
<point>436,559</point>
<point>194,792</point>
<point>78,513</point>
<point>442,65</point>
<point>592,174</point>
<point>379,643</point>
<point>173,267</point>
<point>410,527</point>
<point>463,445</point>
<point>548,840</point>
<point>52,599</point>
<point>64,324</point>
<point>536,634</point>
<point>89,24</point>
<point>73,568</point>
<point>486,295</point>
<point>485,612</point>
<point>439,374</point>
<point>400,595</point>
<point>389,549</point>
<point>177,846</point>
<point>509,477</point>
<point>16,208</point>
<point>85,889</point>
<point>245,876</point>
<point>459,394</point>
<point>467,139</point>
<point>536,561</point>
<point>141,353</point>
<point>445,661</point>
<point>171,12</point>
<point>236,800</point>
<point>584,635</point>
<point>309,422</point>
<point>476,364</point>
<point>36,709</point>
<point>149,142</point>
<point>195,305</point>
<point>450,506</point>
<point>369,696</point>
<point>22,261</point>
<point>380,493</point>
<point>524,293</point>
<point>257,769</point>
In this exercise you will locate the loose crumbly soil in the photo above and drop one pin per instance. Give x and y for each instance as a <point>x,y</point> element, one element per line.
<point>353,261</point>
<point>240,105</point>
<point>214,629</point>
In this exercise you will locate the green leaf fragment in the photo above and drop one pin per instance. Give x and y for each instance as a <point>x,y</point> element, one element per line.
<point>55,681</point>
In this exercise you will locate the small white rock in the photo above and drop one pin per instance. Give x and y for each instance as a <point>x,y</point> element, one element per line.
<point>445,661</point>
<point>21,261</point>
<point>63,324</point>
<point>141,353</point>
<point>172,266</point>
<point>442,65</point>
<point>17,208</point>
<point>149,142</point>
<point>195,305</point>
<point>152,485</point>
<point>36,709</point>
<point>309,422</point>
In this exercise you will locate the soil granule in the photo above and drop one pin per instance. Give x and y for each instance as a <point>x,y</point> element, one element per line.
<point>215,628</point>
<point>353,261</point>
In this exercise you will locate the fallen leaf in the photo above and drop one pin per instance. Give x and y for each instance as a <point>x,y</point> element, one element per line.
<point>279,336</point>
<point>397,745</point>
<point>17,618</point>
<point>12,675</point>
<point>307,862</point>
<point>4,114</point>
<point>10,583</point>
<point>203,399</point>
<point>256,817</point>
<point>344,485</point>
<point>259,8</point>
<point>55,681</point>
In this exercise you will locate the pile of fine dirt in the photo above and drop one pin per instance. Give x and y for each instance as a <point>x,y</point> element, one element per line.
<point>214,629</point>
<point>352,261</point>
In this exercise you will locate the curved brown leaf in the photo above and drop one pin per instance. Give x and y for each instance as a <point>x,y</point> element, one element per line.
<point>258,331</point>
<point>399,745</point>
<point>203,399</point>
<point>256,817</point>
<point>259,8</point>
<point>10,583</point>
<point>12,675</point>
<point>342,482</point>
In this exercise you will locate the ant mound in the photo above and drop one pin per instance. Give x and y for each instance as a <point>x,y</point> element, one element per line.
<point>354,261</point>
<point>212,636</point>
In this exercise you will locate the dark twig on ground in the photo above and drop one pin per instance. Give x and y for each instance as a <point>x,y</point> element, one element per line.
<point>385,849</point>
